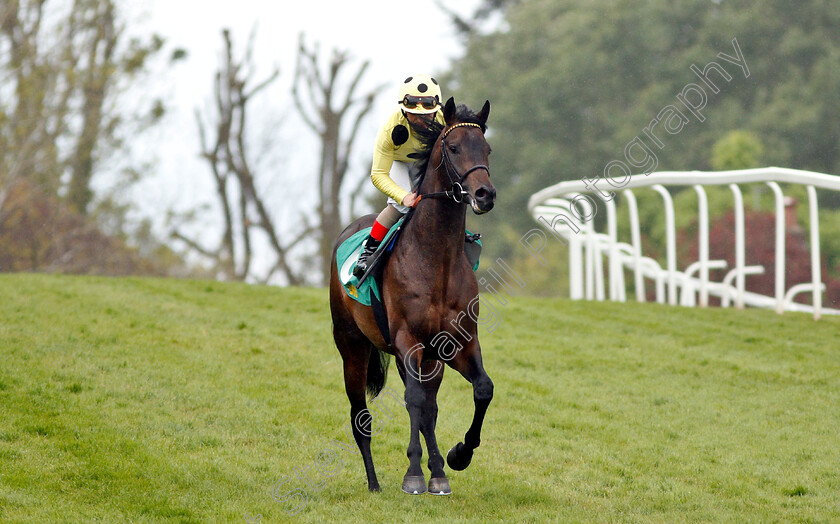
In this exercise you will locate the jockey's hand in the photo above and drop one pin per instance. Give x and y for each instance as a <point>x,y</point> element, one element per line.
<point>411,199</point>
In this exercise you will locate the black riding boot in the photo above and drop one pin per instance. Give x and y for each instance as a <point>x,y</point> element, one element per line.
<point>362,265</point>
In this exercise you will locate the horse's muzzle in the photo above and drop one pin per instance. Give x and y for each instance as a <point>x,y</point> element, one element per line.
<point>483,200</point>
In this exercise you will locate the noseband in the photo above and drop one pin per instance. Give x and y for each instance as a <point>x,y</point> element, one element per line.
<point>456,193</point>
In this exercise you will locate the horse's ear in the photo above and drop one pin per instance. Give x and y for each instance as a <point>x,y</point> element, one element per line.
<point>449,110</point>
<point>484,113</point>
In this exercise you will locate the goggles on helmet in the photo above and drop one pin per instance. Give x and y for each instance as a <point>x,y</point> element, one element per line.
<point>411,101</point>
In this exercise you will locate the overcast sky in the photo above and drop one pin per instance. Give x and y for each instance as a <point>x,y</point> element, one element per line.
<point>384,32</point>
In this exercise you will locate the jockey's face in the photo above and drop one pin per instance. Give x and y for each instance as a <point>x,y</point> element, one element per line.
<point>420,120</point>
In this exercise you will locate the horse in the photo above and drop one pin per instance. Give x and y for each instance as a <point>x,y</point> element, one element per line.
<point>430,294</point>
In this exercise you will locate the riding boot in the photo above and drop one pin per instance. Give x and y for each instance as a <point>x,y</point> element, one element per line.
<point>369,249</point>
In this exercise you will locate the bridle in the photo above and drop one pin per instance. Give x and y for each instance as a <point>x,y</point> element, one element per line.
<point>456,192</point>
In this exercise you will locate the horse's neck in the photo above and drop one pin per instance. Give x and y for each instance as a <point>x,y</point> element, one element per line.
<point>437,228</point>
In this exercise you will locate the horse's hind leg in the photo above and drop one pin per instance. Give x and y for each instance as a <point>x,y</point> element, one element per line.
<point>469,364</point>
<point>356,354</point>
<point>432,377</point>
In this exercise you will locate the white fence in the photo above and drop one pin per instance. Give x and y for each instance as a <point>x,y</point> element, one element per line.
<point>566,210</point>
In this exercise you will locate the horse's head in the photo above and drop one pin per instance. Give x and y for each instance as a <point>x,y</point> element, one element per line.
<point>461,157</point>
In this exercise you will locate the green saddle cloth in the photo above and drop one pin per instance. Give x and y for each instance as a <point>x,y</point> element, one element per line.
<point>348,253</point>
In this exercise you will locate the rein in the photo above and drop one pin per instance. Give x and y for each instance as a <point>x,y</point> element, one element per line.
<point>456,193</point>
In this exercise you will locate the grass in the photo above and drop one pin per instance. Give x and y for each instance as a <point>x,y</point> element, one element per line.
<point>149,400</point>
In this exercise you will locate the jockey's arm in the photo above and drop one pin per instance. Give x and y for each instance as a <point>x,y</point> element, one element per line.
<point>383,159</point>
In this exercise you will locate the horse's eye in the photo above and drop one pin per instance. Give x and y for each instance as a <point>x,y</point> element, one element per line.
<point>454,149</point>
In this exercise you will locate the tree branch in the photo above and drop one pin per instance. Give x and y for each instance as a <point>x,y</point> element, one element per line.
<point>194,245</point>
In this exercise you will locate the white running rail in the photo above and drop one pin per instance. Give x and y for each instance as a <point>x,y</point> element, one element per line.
<point>561,208</point>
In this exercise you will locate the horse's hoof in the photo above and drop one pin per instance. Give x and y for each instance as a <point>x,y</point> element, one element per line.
<point>374,488</point>
<point>459,457</point>
<point>414,485</point>
<point>439,486</point>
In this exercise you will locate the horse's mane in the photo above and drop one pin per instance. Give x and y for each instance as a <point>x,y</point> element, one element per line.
<point>429,135</point>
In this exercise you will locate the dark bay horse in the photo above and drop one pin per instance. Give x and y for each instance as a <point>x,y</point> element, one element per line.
<point>430,295</point>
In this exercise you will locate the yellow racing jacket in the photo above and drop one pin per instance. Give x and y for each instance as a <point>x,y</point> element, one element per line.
<point>394,141</point>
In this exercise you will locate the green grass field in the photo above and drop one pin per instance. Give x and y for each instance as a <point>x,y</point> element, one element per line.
<point>142,400</point>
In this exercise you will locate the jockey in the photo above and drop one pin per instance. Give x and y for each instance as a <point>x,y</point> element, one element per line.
<point>418,106</point>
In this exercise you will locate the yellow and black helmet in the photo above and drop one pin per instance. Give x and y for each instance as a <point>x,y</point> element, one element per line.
<point>420,94</point>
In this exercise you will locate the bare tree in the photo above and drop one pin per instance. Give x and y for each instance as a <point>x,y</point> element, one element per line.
<point>243,207</point>
<point>95,81</point>
<point>62,66</point>
<point>334,111</point>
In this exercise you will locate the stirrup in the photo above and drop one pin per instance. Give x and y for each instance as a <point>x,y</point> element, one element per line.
<point>360,268</point>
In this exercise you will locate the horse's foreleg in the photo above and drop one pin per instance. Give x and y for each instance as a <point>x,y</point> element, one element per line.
<point>471,367</point>
<point>432,377</point>
<point>408,362</point>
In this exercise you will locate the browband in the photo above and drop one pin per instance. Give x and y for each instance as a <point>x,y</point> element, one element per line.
<point>462,124</point>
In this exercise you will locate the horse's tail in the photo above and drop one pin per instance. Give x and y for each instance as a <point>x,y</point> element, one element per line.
<point>377,371</point>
